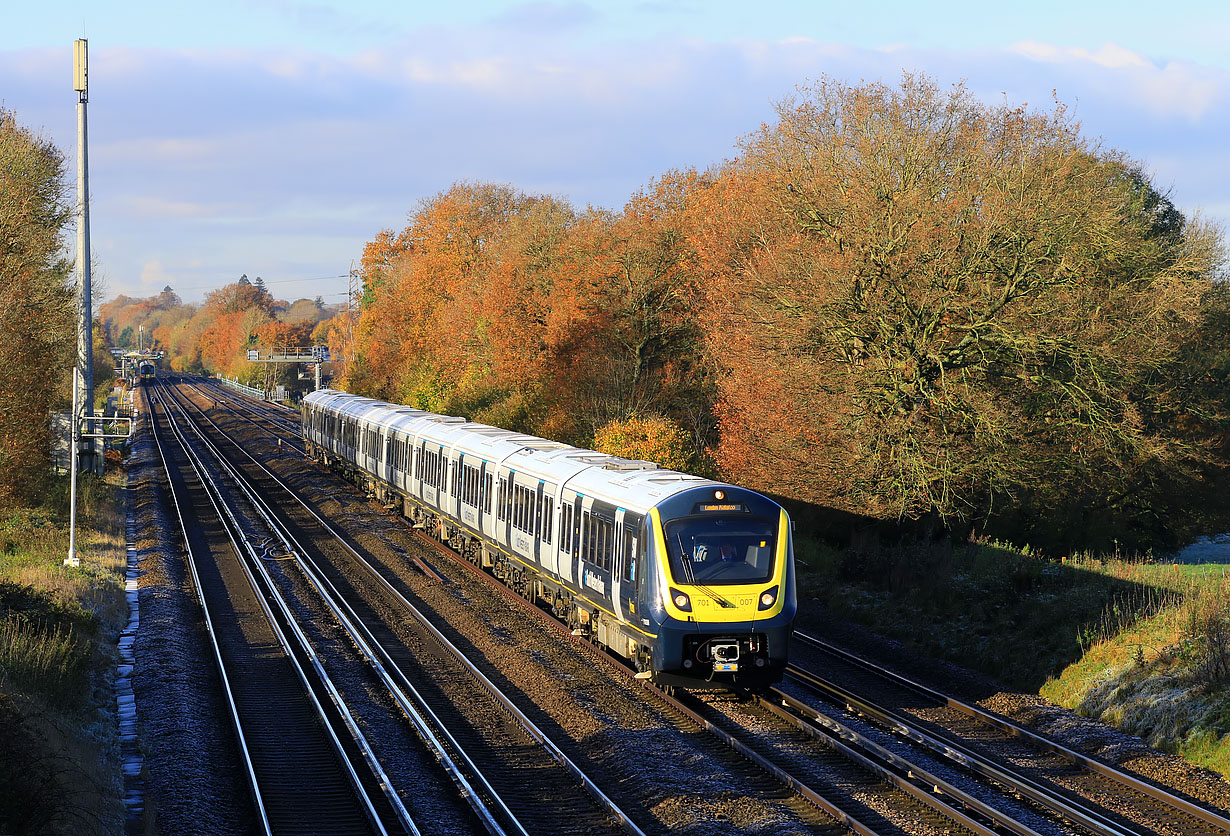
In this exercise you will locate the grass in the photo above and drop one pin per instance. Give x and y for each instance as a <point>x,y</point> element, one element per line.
<point>1141,644</point>
<point>59,769</point>
<point>34,657</point>
<point>1166,678</point>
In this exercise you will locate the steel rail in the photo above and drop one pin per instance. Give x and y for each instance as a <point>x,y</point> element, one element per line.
<point>901,773</point>
<point>228,399</point>
<point>519,716</point>
<point>427,570</point>
<point>1078,813</point>
<point>236,722</point>
<point>381,663</point>
<point>241,544</point>
<point>778,773</point>
<point>966,759</point>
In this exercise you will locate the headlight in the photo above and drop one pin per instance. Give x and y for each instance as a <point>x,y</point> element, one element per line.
<point>681,600</point>
<point>768,599</point>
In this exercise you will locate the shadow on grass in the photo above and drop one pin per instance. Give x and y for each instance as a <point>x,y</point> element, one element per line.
<point>1003,612</point>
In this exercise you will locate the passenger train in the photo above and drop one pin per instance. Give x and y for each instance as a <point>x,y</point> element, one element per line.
<point>689,579</point>
<point>145,371</point>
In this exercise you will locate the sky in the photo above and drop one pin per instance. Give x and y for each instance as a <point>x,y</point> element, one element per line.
<point>274,138</point>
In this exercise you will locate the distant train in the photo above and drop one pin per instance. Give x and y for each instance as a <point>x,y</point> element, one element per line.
<point>145,371</point>
<point>689,579</point>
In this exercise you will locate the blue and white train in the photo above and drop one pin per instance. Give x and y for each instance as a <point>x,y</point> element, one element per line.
<point>691,580</point>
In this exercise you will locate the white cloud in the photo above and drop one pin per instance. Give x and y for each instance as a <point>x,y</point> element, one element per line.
<point>154,277</point>
<point>1111,56</point>
<point>1171,89</point>
<point>158,207</point>
<point>207,164</point>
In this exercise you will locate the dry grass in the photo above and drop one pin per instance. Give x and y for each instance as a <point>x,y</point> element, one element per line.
<point>59,767</point>
<point>36,657</point>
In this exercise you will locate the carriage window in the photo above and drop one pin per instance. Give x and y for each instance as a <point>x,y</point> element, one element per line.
<point>565,528</point>
<point>548,505</point>
<point>629,553</point>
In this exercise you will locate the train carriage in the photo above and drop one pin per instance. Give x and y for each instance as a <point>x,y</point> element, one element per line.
<point>691,580</point>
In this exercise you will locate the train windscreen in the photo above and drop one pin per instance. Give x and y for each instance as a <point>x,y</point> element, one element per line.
<point>715,550</point>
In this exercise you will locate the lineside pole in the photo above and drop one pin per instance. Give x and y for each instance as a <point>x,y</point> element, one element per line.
<point>85,322</point>
<point>74,442</point>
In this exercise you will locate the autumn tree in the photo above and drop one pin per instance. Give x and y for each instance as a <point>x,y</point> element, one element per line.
<point>954,309</point>
<point>421,329</point>
<point>653,360</point>
<point>37,330</point>
<point>305,310</point>
<point>241,295</point>
<point>653,438</point>
<point>514,310</point>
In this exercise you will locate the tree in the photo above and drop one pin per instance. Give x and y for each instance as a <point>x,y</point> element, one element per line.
<point>240,296</point>
<point>37,325</point>
<point>303,310</point>
<point>954,309</point>
<point>653,438</point>
<point>168,299</point>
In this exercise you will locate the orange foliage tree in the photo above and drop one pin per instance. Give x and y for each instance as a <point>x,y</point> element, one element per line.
<point>897,301</point>
<point>516,311</point>
<point>954,309</point>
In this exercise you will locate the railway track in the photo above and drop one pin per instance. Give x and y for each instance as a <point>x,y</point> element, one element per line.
<point>294,744</point>
<point>862,785</point>
<point>279,422</point>
<point>488,746</point>
<point>1092,795</point>
<point>871,787</point>
<point>747,774</point>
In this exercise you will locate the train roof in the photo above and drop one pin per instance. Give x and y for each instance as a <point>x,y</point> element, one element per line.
<point>625,482</point>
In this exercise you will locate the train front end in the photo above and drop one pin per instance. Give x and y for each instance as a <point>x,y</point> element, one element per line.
<point>721,590</point>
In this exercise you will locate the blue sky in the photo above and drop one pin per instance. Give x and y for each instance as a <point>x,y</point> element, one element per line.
<point>274,138</point>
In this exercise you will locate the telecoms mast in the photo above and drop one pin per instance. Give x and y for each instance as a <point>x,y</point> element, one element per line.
<point>85,336</point>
